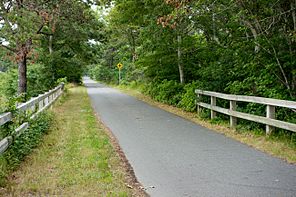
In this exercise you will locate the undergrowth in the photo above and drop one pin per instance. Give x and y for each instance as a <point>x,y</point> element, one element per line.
<point>23,145</point>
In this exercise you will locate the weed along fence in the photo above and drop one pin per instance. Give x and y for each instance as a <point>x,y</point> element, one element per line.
<point>271,104</point>
<point>30,109</point>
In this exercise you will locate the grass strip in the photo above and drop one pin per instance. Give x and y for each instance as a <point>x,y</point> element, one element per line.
<point>76,158</point>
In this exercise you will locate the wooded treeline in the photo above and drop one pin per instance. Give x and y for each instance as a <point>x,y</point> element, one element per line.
<point>239,47</point>
<point>170,46</point>
<point>44,40</point>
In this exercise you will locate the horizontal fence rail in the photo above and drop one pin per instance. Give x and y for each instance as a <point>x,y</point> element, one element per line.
<point>4,118</point>
<point>33,107</point>
<point>270,119</point>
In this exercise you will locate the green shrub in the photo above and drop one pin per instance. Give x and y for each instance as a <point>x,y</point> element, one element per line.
<point>62,80</point>
<point>8,83</point>
<point>188,101</point>
<point>169,92</point>
<point>39,80</point>
<point>24,144</point>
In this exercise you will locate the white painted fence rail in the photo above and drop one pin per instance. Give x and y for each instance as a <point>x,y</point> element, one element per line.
<point>270,119</point>
<point>34,106</point>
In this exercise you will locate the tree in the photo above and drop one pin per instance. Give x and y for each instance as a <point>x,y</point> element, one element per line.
<point>241,47</point>
<point>22,23</point>
<point>27,25</point>
<point>178,20</point>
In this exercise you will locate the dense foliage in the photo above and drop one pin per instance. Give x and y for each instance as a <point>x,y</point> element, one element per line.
<point>173,47</point>
<point>54,34</point>
<point>23,145</point>
<point>235,47</point>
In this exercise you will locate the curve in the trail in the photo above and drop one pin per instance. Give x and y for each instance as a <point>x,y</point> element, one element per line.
<point>172,156</point>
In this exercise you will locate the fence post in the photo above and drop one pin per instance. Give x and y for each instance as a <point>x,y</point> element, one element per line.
<point>270,113</point>
<point>233,120</point>
<point>46,100</point>
<point>61,89</point>
<point>213,103</point>
<point>41,104</point>
<point>63,86</point>
<point>196,102</point>
<point>33,108</point>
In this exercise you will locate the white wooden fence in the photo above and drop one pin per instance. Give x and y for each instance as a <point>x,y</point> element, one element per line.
<point>34,106</point>
<point>270,119</point>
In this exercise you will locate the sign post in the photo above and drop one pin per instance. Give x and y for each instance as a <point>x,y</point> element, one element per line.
<point>119,66</point>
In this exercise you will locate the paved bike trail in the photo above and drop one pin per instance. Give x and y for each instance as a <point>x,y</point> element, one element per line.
<point>172,156</point>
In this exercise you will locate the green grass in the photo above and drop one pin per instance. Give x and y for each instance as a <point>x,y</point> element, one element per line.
<point>76,158</point>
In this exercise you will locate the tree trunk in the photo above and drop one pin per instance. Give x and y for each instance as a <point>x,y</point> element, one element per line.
<point>112,50</point>
<point>22,53</point>
<point>293,15</point>
<point>133,50</point>
<point>180,65</point>
<point>50,53</point>
<point>50,45</point>
<point>215,38</point>
<point>255,34</point>
<point>22,75</point>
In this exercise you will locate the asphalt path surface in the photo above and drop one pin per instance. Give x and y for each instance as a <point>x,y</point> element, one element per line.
<point>172,156</point>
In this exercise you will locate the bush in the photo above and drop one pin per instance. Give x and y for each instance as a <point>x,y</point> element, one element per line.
<point>21,145</point>
<point>173,93</point>
<point>61,80</point>
<point>3,98</point>
<point>24,144</point>
<point>8,83</point>
<point>169,92</point>
<point>188,99</point>
<point>39,80</point>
